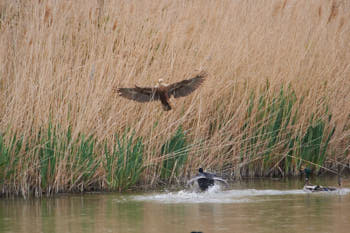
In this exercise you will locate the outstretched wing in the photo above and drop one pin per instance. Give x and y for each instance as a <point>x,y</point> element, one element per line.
<point>195,179</point>
<point>186,87</point>
<point>220,179</point>
<point>139,94</point>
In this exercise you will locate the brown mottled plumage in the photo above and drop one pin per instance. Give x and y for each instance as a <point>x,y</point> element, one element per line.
<point>163,91</point>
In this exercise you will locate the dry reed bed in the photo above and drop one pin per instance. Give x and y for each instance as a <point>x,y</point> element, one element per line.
<point>61,59</point>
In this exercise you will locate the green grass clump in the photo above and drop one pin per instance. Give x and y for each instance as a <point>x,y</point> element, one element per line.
<point>273,142</point>
<point>8,162</point>
<point>268,128</point>
<point>124,163</point>
<point>312,146</point>
<point>53,161</point>
<point>174,153</point>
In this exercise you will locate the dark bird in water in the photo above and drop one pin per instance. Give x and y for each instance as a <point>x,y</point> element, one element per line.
<point>163,91</point>
<point>205,179</point>
<point>315,188</point>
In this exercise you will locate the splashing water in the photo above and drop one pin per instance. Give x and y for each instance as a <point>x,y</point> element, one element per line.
<point>215,195</point>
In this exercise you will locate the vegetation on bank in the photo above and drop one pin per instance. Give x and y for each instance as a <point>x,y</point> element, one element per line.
<point>276,98</point>
<point>51,161</point>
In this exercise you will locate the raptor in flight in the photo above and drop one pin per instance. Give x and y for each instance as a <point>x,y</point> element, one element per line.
<point>163,91</point>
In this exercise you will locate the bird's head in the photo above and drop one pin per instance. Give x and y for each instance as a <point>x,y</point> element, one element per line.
<point>307,182</point>
<point>200,170</point>
<point>161,83</point>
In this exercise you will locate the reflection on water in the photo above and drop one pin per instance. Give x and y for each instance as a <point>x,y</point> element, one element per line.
<point>255,206</point>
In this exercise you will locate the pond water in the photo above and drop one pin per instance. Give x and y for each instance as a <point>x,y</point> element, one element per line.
<point>251,206</point>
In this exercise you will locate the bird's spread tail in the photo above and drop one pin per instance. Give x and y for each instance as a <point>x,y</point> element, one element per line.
<point>165,103</point>
<point>166,107</point>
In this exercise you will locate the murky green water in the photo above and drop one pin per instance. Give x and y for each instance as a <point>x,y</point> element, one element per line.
<point>255,206</point>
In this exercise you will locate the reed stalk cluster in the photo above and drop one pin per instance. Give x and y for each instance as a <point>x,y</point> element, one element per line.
<point>277,95</point>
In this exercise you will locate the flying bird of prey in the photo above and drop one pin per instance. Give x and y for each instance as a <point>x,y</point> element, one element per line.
<point>163,91</point>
